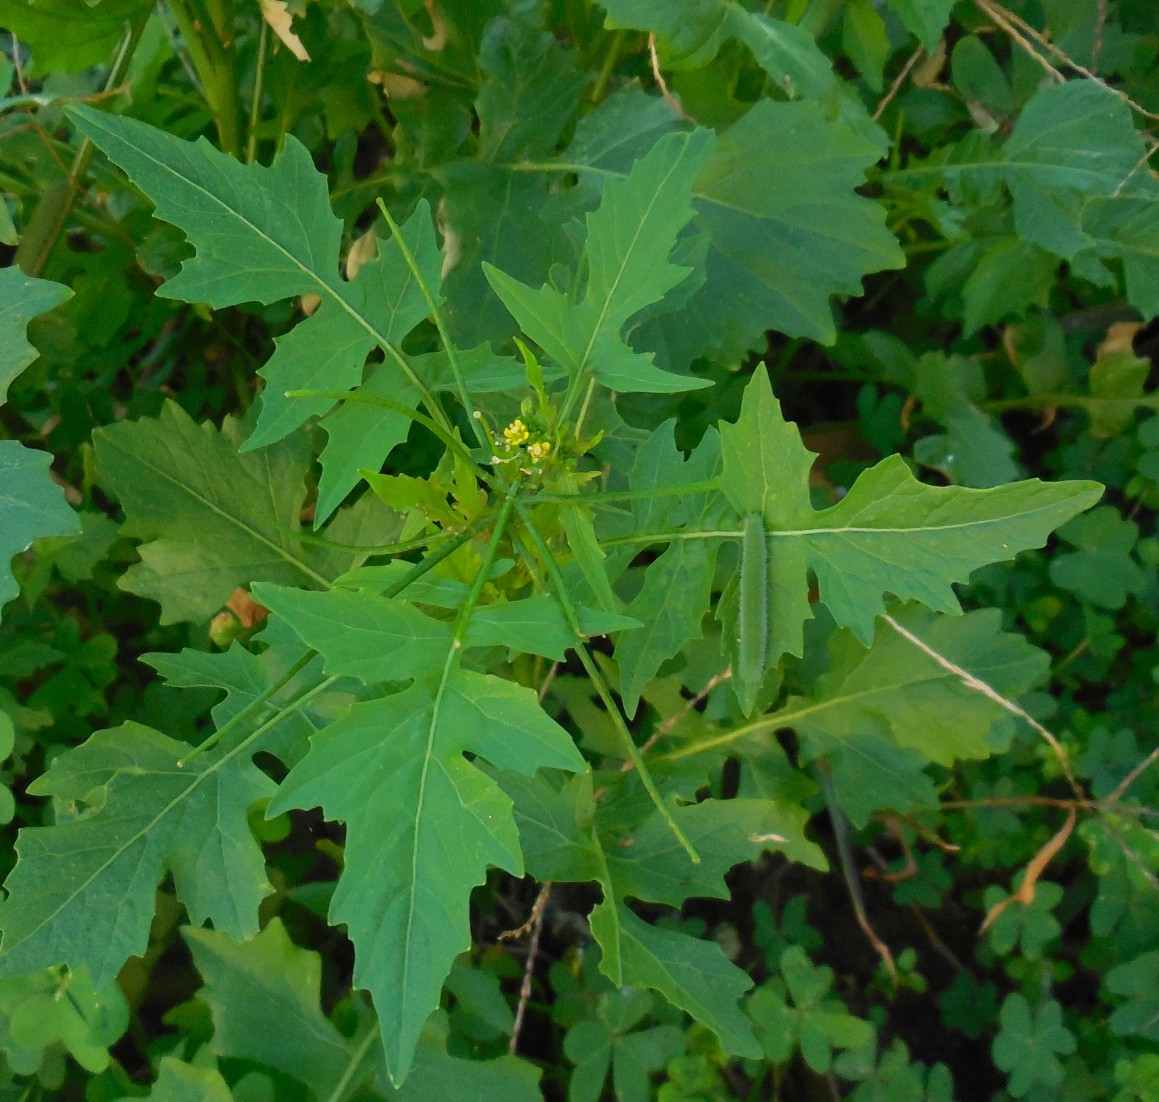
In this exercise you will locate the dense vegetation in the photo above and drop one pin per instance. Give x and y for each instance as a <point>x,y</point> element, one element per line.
<point>577,550</point>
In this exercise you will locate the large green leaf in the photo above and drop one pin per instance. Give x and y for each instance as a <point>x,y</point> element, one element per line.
<point>934,700</point>
<point>629,239</point>
<point>83,890</point>
<point>787,228</point>
<point>1072,143</point>
<point>266,234</point>
<point>890,534</point>
<point>213,519</point>
<point>31,506</point>
<point>394,771</point>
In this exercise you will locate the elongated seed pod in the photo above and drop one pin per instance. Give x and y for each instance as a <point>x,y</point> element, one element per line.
<point>753,621</point>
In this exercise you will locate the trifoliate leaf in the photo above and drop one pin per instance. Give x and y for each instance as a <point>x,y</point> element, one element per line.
<point>83,890</point>
<point>1101,569</point>
<point>1029,1044</point>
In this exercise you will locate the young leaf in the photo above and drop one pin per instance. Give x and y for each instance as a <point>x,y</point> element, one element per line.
<point>83,891</point>
<point>890,534</point>
<point>327,350</point>
<point>629,240</point>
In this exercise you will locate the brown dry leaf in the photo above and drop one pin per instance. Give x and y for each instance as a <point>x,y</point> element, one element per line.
<point>439,38</point>
<point>1034,870</point>
<point>277,14</point>
<point>364,248</point>
<point>397,86</point>
<point>1120,338</point>
<point>245,608</point>
<point>310,303</point>
<point>927,73</point>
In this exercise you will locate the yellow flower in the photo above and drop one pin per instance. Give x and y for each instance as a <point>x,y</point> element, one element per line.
<point>515,433</point>
<point>538,451</point>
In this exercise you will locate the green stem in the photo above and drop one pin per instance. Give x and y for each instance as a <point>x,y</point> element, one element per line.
<point>500,523</point>
<point>597,500</point>
<point>440,325</point>
<point>597,678</point>
<point>356,1058</point>
<point>204,28</point>
<point>610,58</point>
<point>258,702</point>
<point>444,550</point>
<point>251,147</point>
<point>33,259</point>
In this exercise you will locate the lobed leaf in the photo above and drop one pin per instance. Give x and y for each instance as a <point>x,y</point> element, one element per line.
<point>83,891</point>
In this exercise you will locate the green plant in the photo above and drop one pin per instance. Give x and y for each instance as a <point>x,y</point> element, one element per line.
<point>514,564</point>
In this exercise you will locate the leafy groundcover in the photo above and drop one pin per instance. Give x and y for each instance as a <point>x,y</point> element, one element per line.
<point>558,549</point>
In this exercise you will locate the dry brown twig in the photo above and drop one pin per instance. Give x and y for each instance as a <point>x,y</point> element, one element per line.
<point>534,925</point>
<point>979,686</point>
<point>898,81</point>
<point>661,83</point>
<point>1022,33</point>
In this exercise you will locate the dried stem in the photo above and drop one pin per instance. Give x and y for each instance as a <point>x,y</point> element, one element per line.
<point>898,81</point>
<point>979,686</point>
<point>534,925</point>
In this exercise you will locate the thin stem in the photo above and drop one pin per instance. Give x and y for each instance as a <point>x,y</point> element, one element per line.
<point>440,325</point>
<point>484,573</point>
<point>610,58</point>
<point>356,1058</point>
<point>34,265</point>
<point>251,147</point>
<point>596,500</point>
<point>563,595</point>
<point>249,709</point>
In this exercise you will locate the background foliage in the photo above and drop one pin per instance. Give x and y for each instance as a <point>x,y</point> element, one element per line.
<point>579,551</point>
